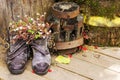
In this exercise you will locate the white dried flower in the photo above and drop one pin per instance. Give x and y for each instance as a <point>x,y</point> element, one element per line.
<point>37,14</point>
<point>45,13</point>
<point>21,27</point>
<point>29,27</point>
<point>37,18</point>
<point>32,19</point>
<point>20,20</point>
<point>25,16</point>
<point>47,33</point>
<point>43,25</point>
<point>10,24</point>
<point>42,15</point>
<point>34,22</point>
<point>39,24</point>
<point>50,31</point>
<point>41,30</point>
<point>18,16</point>
<point>44,37</point>
<point>14,37</point>
<point>41,33</point>
<point>17,29</point>
<point>14,29</point>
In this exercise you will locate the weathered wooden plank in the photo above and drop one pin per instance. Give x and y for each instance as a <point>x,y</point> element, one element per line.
<point>6,75</point>
<point>100,59</point>
<point>110,51</point>
<point>60,74</point>
<point>27,7</point>
<point>3,18</point>
<point>90,70</point>
<point>27,75</point>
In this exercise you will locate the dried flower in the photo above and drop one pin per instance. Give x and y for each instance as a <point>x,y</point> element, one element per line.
<point>37,14</point>
<point>29,28</point>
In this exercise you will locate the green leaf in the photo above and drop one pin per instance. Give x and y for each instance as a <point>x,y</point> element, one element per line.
<point>31,31</point>
<point>23,23</point>
<point>37,36</point>
<point>30,21</point>
<point>17,23</point>
<point>62,59</point>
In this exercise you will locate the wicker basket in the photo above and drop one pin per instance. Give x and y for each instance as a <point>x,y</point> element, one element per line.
<point>104,36</point>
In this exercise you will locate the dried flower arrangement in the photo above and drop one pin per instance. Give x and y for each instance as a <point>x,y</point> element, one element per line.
<point>28,28</point>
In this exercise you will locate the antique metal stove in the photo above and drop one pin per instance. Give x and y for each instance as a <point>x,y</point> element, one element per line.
<point>68,26</point>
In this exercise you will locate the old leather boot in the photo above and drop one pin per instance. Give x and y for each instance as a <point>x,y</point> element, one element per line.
<point>17,56</point>
<point>41,56</point>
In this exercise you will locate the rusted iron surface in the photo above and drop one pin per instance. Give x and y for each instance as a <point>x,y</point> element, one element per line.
<point>69,26</point>
<point>68,51</point>
<point>69,45</point>
<point>65,10</point>
<point>79,28</point>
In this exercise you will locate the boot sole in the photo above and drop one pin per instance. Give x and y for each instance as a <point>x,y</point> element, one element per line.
<point>42,73</point>
<point>16,71</point>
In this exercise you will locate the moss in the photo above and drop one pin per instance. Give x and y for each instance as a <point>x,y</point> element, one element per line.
<point>106,8</point>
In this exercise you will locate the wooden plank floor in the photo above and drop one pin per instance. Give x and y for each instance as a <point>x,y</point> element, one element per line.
<point>97,64</point>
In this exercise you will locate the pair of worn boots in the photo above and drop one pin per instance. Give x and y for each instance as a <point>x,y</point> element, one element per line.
<point>19,53</point>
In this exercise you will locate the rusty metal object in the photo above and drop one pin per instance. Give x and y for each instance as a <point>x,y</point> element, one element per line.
<point>68,51</point>
<point>67,35</point>
<point>79,27</point>
<point>69,45</point>
<point>65,10</point>
<point>68,32</point>
<point>68,27</point>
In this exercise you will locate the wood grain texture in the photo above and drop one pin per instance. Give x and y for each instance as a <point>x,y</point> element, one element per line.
<point>62,74</point>
<point>58,73</point>
<point>109,51</point>
<point>100,60</point>
<point>27,75</point>
<point>80,68</point>
<point>3,18</point>
<point>90,70</point>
